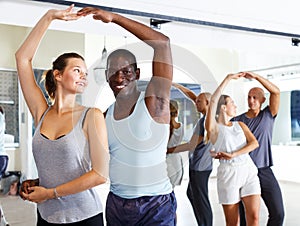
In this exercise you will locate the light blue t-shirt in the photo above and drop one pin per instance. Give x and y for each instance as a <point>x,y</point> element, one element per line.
<point>137,146</point>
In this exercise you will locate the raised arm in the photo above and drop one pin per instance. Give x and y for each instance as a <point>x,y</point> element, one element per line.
<point>162,60</point>
<point>211,124</point>
<point>33,95</point>
<point>158,89</point>
<point>274,100</point>
<point>186,91</point>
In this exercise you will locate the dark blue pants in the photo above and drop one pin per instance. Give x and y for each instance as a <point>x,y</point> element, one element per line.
<point>271,194</point>
<point>92,221</point>
<point>197,193</point>
<point>157,210</point>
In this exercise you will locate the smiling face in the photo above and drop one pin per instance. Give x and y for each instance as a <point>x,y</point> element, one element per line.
<point>256,98</point>
<point>121,74</point>
<point>74,77</point>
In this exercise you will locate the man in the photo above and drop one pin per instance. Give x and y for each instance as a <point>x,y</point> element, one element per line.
<point>261,122</point>
<point>200,161</point>
<point>138,131</point>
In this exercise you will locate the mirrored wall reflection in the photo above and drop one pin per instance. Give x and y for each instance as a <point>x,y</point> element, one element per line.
<point>9,100</point>
<point>295,115</point>
<point>287,124</point>
<point>187,112</point>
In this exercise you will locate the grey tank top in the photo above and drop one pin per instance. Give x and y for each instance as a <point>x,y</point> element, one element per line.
<point>59,161</point>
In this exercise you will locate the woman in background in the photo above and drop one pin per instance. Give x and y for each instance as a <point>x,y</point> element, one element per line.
<point>236,175</point>
<point>174,160</point>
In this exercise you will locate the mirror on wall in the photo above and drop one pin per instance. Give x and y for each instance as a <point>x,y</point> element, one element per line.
<point>9,100</point>
<point>295,115</point>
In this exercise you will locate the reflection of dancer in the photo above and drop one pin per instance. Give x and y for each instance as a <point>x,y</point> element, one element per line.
<point>2,152</point>
<point>200,161</point>
<point>138,129</point>
<point>2,130</point>
<point>70,142</point>
<point>237,175</point>
<point>174,160</point>
<point>261,123</point>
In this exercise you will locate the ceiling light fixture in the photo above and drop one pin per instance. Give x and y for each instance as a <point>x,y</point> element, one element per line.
<point>99,70</point>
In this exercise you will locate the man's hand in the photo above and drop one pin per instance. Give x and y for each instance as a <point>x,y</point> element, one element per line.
<point>25,187</point>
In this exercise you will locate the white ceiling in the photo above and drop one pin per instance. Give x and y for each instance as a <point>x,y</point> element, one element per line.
<point>274,16</point>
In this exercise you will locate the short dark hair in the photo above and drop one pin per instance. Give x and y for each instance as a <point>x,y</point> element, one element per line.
<point>123,52</point>
<point>173,108</point>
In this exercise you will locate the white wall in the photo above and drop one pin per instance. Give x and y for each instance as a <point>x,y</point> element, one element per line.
<point>286,162</point>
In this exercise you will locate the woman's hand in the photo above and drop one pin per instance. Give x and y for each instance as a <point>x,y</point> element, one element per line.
<point>222,155</point>
<point>38,194</point>
<point>226,155</point>
<point>236,75</point>
<point>66,14</point>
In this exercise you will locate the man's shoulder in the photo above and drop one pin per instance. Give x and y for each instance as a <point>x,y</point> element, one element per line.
<point>239,117</point>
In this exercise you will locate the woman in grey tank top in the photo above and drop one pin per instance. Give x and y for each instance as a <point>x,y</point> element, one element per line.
<point>70,141</point>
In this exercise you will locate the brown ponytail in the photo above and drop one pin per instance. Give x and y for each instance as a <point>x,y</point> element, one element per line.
<point>50,84</point>
<point>222,101</point>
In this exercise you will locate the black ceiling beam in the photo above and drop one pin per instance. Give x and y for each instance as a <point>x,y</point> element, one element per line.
<point>174,18</point>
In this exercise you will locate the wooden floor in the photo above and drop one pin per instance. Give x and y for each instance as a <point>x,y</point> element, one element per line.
<point>18,212</point>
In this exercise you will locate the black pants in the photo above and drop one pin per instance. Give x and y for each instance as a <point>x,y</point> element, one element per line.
<point>197,193</point>
<point>92,221</point>
<point>271,194</point>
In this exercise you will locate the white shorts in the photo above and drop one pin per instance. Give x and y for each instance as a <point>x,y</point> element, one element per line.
<point>235,181</point>
<point>175,168</point>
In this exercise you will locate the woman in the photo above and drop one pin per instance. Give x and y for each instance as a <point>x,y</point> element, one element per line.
<point>70,141</point>
<point>236,175</point>
<point>174,160</point>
